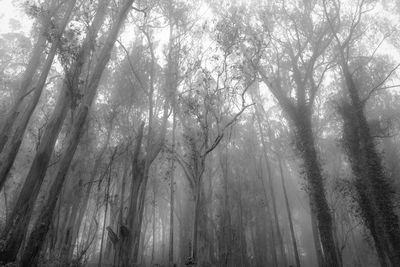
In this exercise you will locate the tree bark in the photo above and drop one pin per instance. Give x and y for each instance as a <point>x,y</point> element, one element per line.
<point>27,77</point>
<point>10,150</point>
<point>15,230</point>
<point>306,146</point>
<point>40,229</point>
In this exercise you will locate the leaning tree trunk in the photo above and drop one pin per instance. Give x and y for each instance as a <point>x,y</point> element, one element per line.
<point>27,77</point>
<point>366,186</point>
<point>10,150</point>
<point>374,187</point>
<point>35,242</point>
<point>16,228</point>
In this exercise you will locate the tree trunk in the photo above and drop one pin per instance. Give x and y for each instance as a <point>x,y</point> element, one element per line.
<point>375,190</point>
<point>306,146</point>
<point>40,229</point>
<point>154,226</point>
<point>226,221</point>
<point>270,224</point>
<point>10,151</point>
<point>172,199</point>
<point>137,180</point>
<point>317,241</point>
<point>272,191</point>
<point>292,234</point>
<point>197,207</point>
<point>27,77</point>
<point>15,230</point>
<point>106,197</point>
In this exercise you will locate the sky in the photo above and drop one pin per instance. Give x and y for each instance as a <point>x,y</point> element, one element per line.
<point>9,10</point>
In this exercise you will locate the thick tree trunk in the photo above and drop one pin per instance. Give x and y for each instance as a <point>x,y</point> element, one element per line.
<point>11,149</point>
<point>306,146</point>
<point>15,230</point>
<point>27,77</point>
<point>40,229</point>
<point>374,188</point>
<point>128,238</point>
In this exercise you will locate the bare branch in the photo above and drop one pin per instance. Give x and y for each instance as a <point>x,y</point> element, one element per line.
<point>378,86</point>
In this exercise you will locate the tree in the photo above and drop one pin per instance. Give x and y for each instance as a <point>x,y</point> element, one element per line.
<point>375,194</point>
<point>297,73</point>
<point>10,150</point>
<point>36,239</point>
<point>15,231</point>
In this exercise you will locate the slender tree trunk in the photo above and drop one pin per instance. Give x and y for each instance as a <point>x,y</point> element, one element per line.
<point>292,234</point>
<point>272,191</point>
<point>227,224</point>
<point>106,197</point>
<point>172,199</point>
<point>40,229</point>
<point>197,207</point>
<point>243,252</point>
<point>269,215</point>
<point>154,226</point>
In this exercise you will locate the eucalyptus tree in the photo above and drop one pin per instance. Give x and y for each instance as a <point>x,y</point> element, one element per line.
<point>374,188</point>
<point>17,226</point>
<point>286,44</point>
<point>204,124</point>
<point>37,236</point>
<point>44,15</point>
<point>20,123</point>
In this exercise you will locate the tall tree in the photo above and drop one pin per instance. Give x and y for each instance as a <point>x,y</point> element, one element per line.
<point>45,21</point>
<point>299,68</point>
<point>10,150</point>
<point>36,239</point>
<point>374,188</point>
<point>16,228</point>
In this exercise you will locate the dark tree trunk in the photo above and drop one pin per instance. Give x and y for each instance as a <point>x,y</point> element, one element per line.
<point>27,77</point>
<point>15,230</point>
<point>11,148</point>
<point>306,146</point>
<point>374,189</point>
<point>41,227</point>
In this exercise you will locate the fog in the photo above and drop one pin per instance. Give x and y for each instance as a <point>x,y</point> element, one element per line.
<point>199,133</point>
